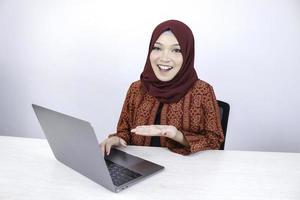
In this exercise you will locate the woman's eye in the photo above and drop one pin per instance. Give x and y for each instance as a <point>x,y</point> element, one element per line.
<point>156,48</point>
<point>177,50</point>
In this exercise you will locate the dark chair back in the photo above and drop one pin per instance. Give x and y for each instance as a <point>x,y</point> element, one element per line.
<point>224,112</point>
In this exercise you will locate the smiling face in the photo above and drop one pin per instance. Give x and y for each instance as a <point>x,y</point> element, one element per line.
<point>166,58</point>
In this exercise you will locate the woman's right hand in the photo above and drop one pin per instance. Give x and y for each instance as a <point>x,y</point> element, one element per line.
<point>106,144</point>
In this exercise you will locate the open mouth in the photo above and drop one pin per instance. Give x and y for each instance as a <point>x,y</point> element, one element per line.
<point>164,68</point>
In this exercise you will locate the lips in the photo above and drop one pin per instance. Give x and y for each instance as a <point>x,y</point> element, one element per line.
<point>164,68</point>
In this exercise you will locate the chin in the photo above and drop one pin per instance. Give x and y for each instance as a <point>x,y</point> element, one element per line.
<point>164,79</point>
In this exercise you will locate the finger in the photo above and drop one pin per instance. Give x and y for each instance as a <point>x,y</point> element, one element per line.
<point>142,127</point>
<point>161,126</point>
<point>138,130</point>
<point>138,127</point>
<point>140,133</point>
<point>133,130</point>
<point>108,147</point>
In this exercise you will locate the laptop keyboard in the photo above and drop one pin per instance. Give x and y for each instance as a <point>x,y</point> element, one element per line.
<point>120,174</point>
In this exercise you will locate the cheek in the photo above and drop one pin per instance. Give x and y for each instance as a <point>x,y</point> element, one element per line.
<point>153,57</point>
<point>179,61</point>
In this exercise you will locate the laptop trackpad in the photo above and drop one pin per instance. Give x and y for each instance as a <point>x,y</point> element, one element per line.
<point>131,162</point>
<point>123,158</point>
<point>143,167</point>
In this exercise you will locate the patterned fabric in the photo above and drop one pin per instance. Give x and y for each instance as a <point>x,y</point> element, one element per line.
<point>196,115</point>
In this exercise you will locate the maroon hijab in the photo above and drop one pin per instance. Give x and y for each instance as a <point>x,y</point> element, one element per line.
<point>172,91</point>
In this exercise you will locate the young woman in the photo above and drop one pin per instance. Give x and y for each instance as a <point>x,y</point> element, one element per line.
<point>169,106</point>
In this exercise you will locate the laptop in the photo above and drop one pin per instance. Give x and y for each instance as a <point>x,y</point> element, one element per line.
<point>74,143</point>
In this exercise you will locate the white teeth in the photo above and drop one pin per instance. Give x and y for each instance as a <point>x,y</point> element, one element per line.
<point>164,67</point>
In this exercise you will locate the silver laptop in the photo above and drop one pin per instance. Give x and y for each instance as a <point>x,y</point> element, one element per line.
<point>74,143</point>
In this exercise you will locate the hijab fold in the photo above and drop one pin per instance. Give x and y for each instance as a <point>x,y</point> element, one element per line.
<point>172,91</point>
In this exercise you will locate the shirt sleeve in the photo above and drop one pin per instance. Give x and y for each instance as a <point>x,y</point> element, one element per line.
<point>210,136</point>
<point>123,127</point>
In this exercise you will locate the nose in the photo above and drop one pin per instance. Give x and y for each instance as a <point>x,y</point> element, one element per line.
<point>165,57</point>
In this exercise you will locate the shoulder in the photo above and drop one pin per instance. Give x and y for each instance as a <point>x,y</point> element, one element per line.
<point>202,93</point>
<point>135,86</point>
<point>201,87</point>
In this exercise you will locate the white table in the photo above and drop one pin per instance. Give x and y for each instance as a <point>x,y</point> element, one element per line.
<point>28,170</point>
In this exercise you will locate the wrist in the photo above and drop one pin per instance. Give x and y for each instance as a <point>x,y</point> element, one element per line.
<point>179,137</point>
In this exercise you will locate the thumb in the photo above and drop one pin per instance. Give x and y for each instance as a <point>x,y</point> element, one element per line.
<point>108,147</point>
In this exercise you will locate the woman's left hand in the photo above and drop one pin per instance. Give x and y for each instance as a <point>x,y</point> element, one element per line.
<point>156,130</point>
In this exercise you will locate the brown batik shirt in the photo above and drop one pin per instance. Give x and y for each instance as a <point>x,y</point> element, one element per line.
<point>196,115</point>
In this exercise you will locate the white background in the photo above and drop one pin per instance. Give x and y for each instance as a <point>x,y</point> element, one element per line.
<point>79,58</point>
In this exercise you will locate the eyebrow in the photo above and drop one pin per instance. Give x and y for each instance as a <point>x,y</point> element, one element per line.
<point>162,44</point>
